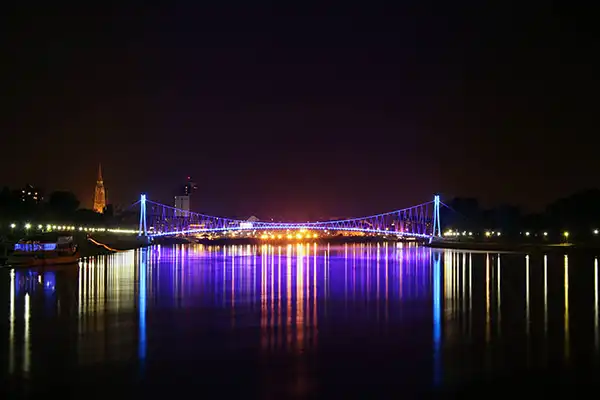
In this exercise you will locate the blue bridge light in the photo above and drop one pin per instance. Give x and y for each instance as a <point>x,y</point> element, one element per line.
<point>419,222</point>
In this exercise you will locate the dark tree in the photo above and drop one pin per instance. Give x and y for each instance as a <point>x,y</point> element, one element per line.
<point>62,203</point>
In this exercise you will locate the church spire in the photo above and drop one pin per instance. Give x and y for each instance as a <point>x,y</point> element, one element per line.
<point>99,193</point>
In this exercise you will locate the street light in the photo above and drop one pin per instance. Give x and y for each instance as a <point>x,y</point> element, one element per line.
<point>13,226</point>
<point>545,233</point>
<point>596,231</point>
<point>27,225</point>
<point>566,235</point>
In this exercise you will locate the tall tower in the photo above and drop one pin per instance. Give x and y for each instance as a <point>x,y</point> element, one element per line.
<point>99,193</point>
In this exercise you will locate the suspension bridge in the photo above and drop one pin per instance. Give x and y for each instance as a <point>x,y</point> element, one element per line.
<point>417,222</point>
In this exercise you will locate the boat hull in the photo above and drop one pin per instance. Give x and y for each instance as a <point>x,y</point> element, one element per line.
<point>24,261</point>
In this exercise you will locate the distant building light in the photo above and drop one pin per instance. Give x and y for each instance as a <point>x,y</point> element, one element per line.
<point>596,231</point>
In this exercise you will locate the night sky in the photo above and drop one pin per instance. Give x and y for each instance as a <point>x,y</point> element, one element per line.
<point>298,112</point>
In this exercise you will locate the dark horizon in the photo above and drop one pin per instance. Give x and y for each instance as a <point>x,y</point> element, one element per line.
<point>279,111</point>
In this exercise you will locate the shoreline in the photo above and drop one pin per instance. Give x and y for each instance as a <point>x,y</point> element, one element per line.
<point>104,244</point>
<point>517,247</point>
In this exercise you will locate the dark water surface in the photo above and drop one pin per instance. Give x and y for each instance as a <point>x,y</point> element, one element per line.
<point>361,321</point>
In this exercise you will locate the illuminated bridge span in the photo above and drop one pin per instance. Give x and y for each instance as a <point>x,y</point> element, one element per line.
<point>420,221</point>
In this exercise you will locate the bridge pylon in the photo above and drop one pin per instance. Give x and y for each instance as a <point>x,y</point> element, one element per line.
<point>143,231</point>
<point>437,230</point>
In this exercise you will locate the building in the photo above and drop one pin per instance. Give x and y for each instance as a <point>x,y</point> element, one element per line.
<point>183,197</point>
<point>31,195</point>
<point>182,203</point>
<point>99,193</point>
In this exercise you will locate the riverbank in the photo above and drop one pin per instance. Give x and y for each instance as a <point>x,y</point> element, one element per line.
<point>90,246</point>
<point>98,244</point>
<point>517,247</point>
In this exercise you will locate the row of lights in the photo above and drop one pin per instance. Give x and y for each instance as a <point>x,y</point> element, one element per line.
<point>49,227</point>
<point>492,233</point>
<point>289,237</point>
<point>465,233</point>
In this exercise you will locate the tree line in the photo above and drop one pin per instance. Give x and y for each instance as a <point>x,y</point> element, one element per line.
<point>579,214</point>
<point>58,207</point>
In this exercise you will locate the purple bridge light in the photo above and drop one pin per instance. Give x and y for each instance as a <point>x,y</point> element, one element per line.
<point>421,221</point>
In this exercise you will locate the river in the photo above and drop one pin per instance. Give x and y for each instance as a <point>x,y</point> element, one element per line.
<point>356,320</point>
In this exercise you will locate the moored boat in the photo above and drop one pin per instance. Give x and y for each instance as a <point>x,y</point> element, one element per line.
<point>44,250</point>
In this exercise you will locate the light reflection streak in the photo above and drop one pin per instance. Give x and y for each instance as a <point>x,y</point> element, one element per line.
<point>11,321</point>
<point>306,289</point>
<point>246,271</point>
<point>300,298</point>
<point>263,300</point>
<point>345,279</point>
<point>288,296</point>
<point>527,309</point>
<point>367,260</point>
<point>498,298</point>
<point>545,295</point>
<point>567,337</point>
<point>26,336</point>
<point>279,316</point>
<point>487,299</point>
<point>400,271</point>
<point>464,290</point>
<point>272,297</point>
<point>233,254</point>
<point>596,332</point>
<point>377,265</point>
<point>470,293</point>
<point>387,301</point>
<point>224,279</point>
<point>326,278</point>
<point>314,305</point>
<point>437,319</point>
<point>142,307</point>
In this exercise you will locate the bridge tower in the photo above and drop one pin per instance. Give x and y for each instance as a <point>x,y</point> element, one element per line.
<point>143,229</point>
<point>437,230</point>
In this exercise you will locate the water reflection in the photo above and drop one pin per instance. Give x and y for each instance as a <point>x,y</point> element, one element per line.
<point>443,314</point>
<point>596,331</point>
<point>567,326</point>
